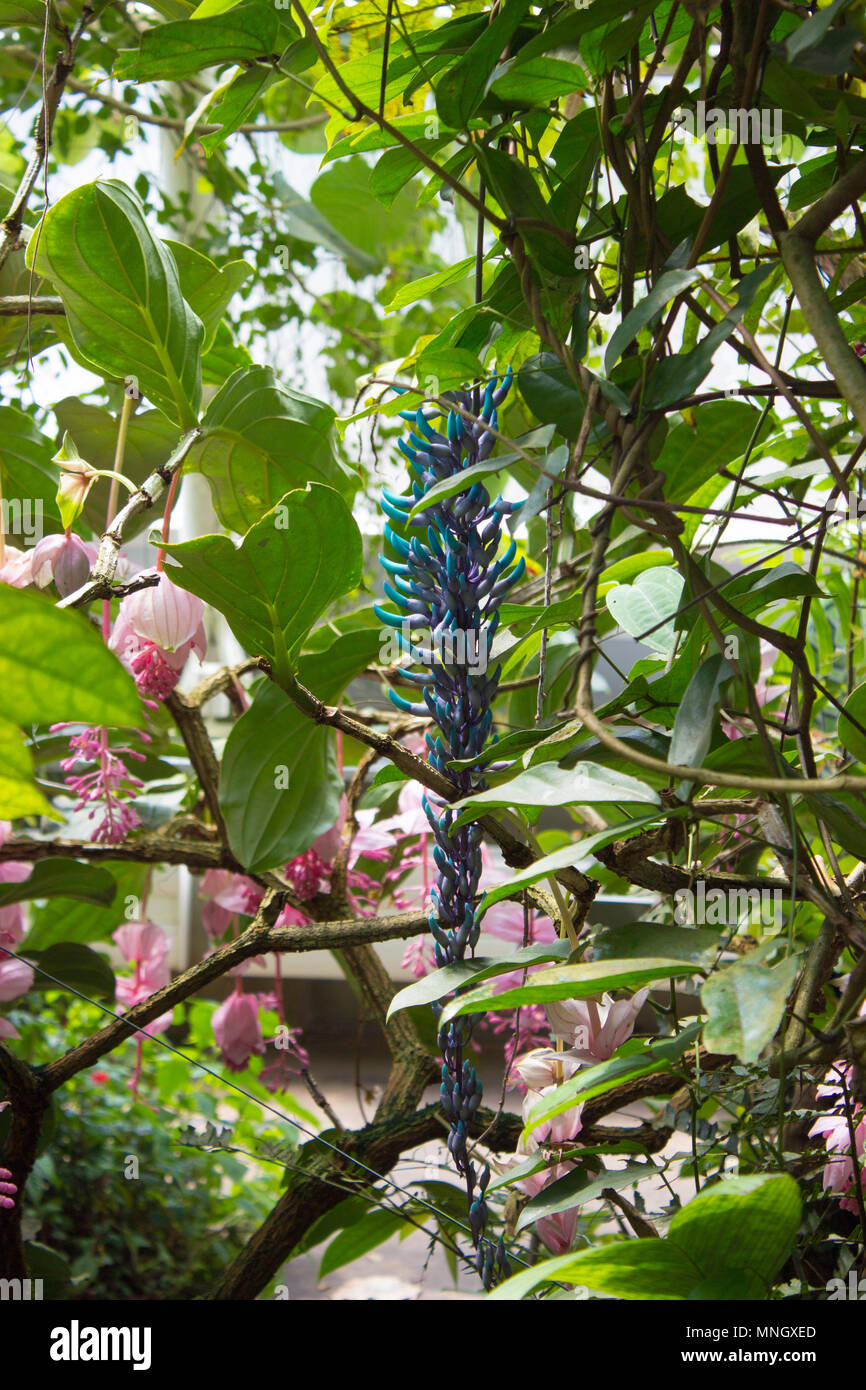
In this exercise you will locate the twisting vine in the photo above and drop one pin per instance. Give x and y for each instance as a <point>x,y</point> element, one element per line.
<point>452,583</point>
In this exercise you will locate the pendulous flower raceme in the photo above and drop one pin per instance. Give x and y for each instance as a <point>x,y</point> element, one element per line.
<point>449,581</point>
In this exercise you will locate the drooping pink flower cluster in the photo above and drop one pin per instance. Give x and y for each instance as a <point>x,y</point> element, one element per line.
<point>237,1028</point>
<point>833,1126</point>
<point>60,559</point>
<point>108,786</point>
<point>593,1031</point>
<point>16,976</point>
<point>156,630</point>
<point>146,947</point>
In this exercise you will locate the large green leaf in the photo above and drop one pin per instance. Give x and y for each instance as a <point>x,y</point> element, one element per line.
<point>742,1223</point>
<point>207,287</point>
<point>64,919</point>
<point>279,784</point>
<point>549,785</point>
<point>441,982</point>
<point>363,1235</point>
<point>459,90</point>
<point>646,1269</point>
<point>666,288</point>
<point>19,794</point>
<point>259,440</point>
<point>75,966</point>
<point>54,666</point>
<point>636,939</point>
<point>27,477</point>
<point>728,1242</point>
<point>693,454</point>
<point>849,735</point>
<point>577,855</point>
<point>290,566</point>
<point>745,1002</point>
<point>651,600</point>
<point>577,1188</point>
<point>678,376</point>
<point>185,47</point>
<point>570,982</point>
<point>120,287</point>
<point>62,878</point>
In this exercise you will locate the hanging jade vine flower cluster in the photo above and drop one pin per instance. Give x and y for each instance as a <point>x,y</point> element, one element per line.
<point>450,580</point>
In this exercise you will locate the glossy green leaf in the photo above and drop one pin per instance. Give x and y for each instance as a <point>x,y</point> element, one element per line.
<point>569,982</point>
<point>71,965</point>
<point>459,91</point>
<point>646,608</point>
<point>61,878</point>
<point>744,1003</point>
<point>259,440</point>
<point>451,977</point>
<point>19,794</point>
<point>289,567</point>
<point>696,716</point>
<point>676,377</point>
<point>849,735</point>
<point>187,46</point>
<point>549,785</point>
<point>653,1270</point>
<point>65,919</point>
<point>577,1188</point>
<point>28,479</point>
<point>747,1222</point>
<point>691,455</point>
<point>373,1228</point>
<point>120,286</point>
<point>633,1059</point>
<point>667,287</point>
<point>577,855</point>
<point>636,939</point>
<point>206,287</point>
<point>54,666</point>
<point>279,785</point>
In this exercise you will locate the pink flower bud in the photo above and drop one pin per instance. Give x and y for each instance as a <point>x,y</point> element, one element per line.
<point>166,615</point>
<point>16,977</point>
<point>237,1030</point>
<point>64,559</point>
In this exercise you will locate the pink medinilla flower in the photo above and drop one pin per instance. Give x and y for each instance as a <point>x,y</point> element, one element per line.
<point>16,567</point>
<point>108,786</point>
<point>833,1126</point>
<point>542,1071</point>
<point>12,916</point>
<point>224,896</point>
<point>63,560</point>
<point>155,631</point>
<point>16,977</point>
<point>237,1029</point>
<point>557,1232</point>
<point>307,874</point>
<point>595,1037</point>
<point>146,947</point>
<point>7,1189</point>
<point>8,1030</point>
